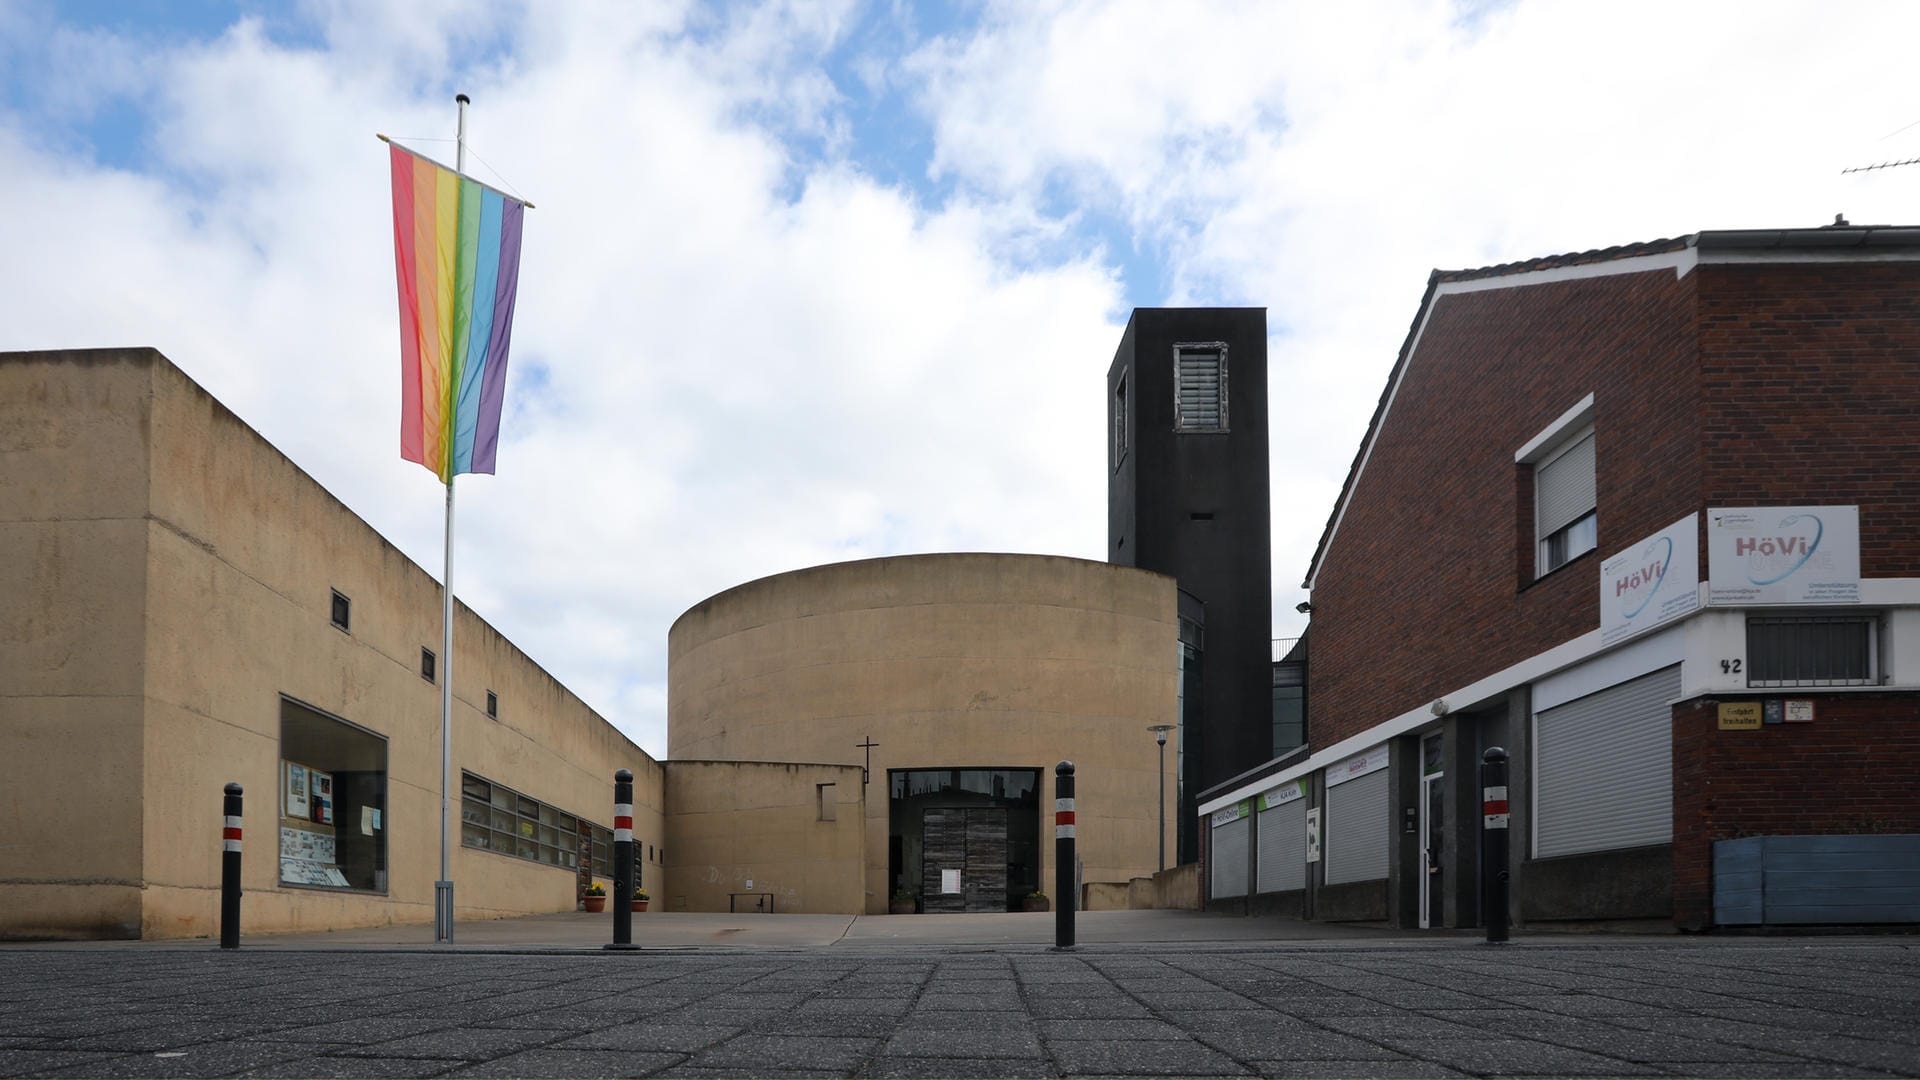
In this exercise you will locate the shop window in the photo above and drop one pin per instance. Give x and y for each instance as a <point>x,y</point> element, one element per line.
<point>427,664</point>
<point>496,818</point>
<point>332,802</point>
<point>342,611</point>
<point>1200,386</point>
<point>1812,650</point>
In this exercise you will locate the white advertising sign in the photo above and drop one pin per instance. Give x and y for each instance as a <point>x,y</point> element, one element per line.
<point>1283,795</point>
<point>1783,555</point>
<point>1653,581</point>
<point>1358,765</point>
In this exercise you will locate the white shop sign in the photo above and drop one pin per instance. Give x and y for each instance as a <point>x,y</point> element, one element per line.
<point>1652,582</point>
<point>1783,555</point>
<point>1358,766</point>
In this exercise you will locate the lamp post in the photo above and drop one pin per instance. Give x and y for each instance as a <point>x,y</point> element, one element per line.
<point>1160,780</point>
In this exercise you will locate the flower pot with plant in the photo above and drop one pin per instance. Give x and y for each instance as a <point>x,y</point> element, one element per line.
<point>903,903</point>
<point>639,899</point>
<point>595,897</point>
<point>1035,901</point>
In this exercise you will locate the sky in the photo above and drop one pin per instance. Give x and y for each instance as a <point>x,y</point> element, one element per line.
<point>808,282</point>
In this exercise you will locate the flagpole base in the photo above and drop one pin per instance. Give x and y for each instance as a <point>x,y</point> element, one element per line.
<point>443,913</point>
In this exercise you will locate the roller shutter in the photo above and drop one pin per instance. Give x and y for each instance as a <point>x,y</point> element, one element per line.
<point>1357,829</point>
<point>1229,854</point>
<point>1566,487</point>
<point>1603,768</point>
<point>1283,848</point>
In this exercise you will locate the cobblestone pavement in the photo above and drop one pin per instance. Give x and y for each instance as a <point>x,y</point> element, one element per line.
<point>1762,1008</point>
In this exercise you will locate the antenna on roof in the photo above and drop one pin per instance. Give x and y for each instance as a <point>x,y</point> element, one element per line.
<point>1882,165</point>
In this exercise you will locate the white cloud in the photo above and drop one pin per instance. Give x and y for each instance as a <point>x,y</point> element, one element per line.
<point>737,353</point>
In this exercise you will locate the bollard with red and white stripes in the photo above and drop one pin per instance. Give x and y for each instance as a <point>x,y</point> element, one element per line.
<point>1493,842</point>
<point>1064,899</point>
<point>622,860</point>
<point>230,870</point>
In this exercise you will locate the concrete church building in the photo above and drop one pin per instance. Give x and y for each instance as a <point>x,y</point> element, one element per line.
<point>181,606</point>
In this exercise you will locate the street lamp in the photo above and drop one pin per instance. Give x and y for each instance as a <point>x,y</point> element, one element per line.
<point>1160,779</point>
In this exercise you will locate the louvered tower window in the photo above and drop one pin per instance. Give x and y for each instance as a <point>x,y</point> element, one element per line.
<point>1200,386</point>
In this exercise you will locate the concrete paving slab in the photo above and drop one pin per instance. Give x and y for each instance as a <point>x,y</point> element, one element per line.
<point>1347,1009</point>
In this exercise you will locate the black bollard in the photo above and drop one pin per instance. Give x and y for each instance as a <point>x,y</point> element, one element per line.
<point>1493,842</point>
<point>230,871</point>
<point>1065,899</point>
<point>622,860</point>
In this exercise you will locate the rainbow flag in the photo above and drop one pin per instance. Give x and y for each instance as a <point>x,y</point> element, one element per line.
<point>456,251</point>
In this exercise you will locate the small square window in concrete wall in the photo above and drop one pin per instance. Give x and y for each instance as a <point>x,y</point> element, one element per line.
<point>342,611</point>
<point>427,664</point>
<point>493,705</point>
<point>824,793</point>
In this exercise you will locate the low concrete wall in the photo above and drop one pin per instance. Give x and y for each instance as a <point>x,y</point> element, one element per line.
<point>1288,905</point>
<point>1633,884</point>
<point>1359,901</point>
<point>1105,896</point>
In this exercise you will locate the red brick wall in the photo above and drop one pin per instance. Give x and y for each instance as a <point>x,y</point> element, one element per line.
<point>1853,770</point>
<point>1810,382</point>
<point>1429,582</point>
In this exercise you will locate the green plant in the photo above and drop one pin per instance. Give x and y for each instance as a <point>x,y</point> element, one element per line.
<point>596,889</point>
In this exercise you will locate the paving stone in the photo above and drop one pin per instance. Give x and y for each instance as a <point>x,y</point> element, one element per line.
<point>210,1059</point>
<point>677,1038</point>
<point>27,1062</point>
<point>957,1068</point>
<point>1513,1057</point>
<point>856,1006</point>
<point>1398,1069</point>
<point>1110,1029</point>
<point>1408,1025</point>
<point>354,1068</point>
<point>827,1026</point>
<point>1086,1008</point>
<point>981,1043</point>
<point>469,1044</point>
<point>932,1001</point>
<point>756,1052</point>
<point>757,1073</point>
<point>569,1063</point>
<point>360,1032</point>
<point>1307,1044</point>
<point>969,1021</point>
<point>1182,1057</point>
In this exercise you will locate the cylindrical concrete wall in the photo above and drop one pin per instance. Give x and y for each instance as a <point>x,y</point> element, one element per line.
<point>944,661</point>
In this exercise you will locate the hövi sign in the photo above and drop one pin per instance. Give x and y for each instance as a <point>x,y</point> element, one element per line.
<point>1783,555</point>
<point>1653,581</point>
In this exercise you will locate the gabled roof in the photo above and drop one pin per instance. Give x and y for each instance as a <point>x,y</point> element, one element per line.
<point>1837,242</point>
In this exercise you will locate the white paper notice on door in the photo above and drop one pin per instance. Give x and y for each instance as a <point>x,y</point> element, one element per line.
<point>949,881</point>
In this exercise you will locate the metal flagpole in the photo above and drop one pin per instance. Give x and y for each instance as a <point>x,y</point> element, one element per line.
<point>443,888</point>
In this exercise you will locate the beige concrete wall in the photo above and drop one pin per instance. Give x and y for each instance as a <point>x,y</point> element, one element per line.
<point>73,504</point>
<point>211,603</point>
<point>759,827</point>
<point>953,660</point>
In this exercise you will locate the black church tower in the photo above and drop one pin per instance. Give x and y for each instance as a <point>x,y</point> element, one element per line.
<point>1188,497</point>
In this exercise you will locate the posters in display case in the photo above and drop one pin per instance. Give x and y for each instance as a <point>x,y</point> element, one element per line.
<point>297,805</point>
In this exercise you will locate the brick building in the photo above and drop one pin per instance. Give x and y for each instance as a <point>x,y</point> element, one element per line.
<point>1649,519</point>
